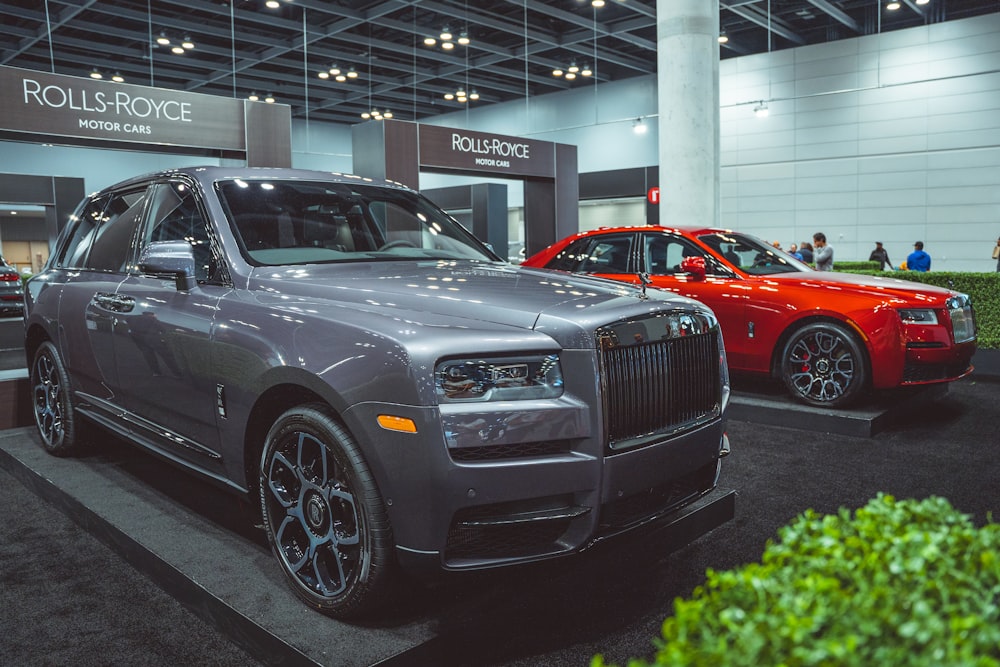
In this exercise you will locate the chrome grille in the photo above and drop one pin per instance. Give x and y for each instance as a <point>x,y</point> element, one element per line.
<point>658,388</point>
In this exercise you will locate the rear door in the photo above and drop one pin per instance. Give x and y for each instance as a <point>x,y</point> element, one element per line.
<point>92,265</point>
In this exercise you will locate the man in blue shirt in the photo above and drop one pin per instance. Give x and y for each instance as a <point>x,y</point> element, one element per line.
<point>918,260</point>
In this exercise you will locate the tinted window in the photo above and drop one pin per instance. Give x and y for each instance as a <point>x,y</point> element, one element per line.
<point>607,253</point>
<point>77,247</point>
<point>114,235</point>
<point>664,253</point>
<point>174,215</point>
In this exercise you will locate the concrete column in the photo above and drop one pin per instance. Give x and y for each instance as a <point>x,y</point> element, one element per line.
<point>687,59</point>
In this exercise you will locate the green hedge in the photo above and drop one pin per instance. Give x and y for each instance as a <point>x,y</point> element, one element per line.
<point>852,267</point>
<point>901,583</point>
<point>982,288</point>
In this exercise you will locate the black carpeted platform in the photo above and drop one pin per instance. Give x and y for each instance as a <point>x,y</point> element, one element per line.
<point>766,402</point>
<point>198,544</point>
<point>67,599</point>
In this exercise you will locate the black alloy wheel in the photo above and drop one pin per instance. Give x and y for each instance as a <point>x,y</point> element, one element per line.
<point>323,514</point>
<point>823,365</point>
<point>52,405</point>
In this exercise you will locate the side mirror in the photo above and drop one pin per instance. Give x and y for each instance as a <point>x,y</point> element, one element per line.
<point>694,266</point>
<point>170,258</point>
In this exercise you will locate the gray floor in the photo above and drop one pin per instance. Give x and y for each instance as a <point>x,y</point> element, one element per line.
<point>67,599</point>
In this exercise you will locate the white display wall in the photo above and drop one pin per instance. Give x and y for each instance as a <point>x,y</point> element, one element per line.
<point>892,137</point>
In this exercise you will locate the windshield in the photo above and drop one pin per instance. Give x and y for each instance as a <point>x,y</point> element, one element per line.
<point>282,222</point>
<point>751,255</point>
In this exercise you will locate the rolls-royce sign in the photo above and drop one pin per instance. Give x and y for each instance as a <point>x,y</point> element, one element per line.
<point>449,148</point>
<point>63,106</point>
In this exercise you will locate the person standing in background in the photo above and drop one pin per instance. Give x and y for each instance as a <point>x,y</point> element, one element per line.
<point>996,254</point>
<point>806,250</point>
<point>823,254</point>
<point>881,256</point>
<point>918,260</point>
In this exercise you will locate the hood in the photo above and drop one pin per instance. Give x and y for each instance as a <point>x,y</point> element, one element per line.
<point>498,293</point>
<point>876,286</point>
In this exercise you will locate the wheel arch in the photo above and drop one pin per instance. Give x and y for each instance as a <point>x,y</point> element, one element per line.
<point>792,327</point>
<point>271,404</point>
<point>33,338</point>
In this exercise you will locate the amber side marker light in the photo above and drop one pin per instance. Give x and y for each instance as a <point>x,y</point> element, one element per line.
<point>393,423</point>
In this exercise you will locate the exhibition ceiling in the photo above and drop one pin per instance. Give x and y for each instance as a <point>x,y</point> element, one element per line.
<point>294,51</point>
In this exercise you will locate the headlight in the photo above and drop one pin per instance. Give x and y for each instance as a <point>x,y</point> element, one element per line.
<point>918,316</point>
<point>499,379</point>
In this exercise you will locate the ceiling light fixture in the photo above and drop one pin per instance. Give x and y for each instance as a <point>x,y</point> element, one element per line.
<point>572,71</point>
<point>723,37</point>
<point>761,110</point>
<point>96,74</point>
<point>187,43</point>
<point>269,99</point>
<point>893,6</point>
<point>162,39</point>
<point>351,74</point>
<point>177,49</point>
<point>448,39</point>
<point>272,4</point>
<point>323,75</point>
<point>118,78</point>
<point>639,126</point>
<point>597,3</point>
<point>253,97</point>
<point>923,2</point>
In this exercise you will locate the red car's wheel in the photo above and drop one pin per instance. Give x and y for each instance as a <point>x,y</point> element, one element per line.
<point>823,364</point>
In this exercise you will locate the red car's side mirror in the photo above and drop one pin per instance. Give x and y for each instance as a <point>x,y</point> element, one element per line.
<point>695,266</point>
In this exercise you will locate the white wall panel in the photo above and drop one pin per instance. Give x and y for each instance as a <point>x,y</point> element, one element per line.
<point>825,184</point>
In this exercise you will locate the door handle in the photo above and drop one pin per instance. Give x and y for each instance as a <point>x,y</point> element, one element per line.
<point>116,303</point>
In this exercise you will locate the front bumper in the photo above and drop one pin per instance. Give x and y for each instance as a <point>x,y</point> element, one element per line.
<point>551,497</point>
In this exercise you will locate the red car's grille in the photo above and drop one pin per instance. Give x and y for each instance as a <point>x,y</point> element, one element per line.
<point>660,388</point>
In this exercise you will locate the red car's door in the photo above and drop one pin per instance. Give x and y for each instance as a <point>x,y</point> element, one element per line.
<point>722,290</point>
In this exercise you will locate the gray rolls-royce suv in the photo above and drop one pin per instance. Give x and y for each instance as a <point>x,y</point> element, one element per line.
<point>389,391</point>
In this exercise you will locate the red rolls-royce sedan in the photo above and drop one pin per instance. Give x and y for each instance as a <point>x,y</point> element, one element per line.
<point>829,336</point>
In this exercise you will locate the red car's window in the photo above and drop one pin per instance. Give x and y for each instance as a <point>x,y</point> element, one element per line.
<point>605,253</point>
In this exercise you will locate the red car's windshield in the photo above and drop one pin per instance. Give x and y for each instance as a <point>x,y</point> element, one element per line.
<point>751,255</point>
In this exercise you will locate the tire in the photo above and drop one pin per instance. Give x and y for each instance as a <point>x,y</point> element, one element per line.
<point>823,364</point>
<point>51,403</point>
<point>324,516</point>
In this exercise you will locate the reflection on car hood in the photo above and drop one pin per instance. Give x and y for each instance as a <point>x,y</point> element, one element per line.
<point>873,285</point>
<point>498,293</point>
